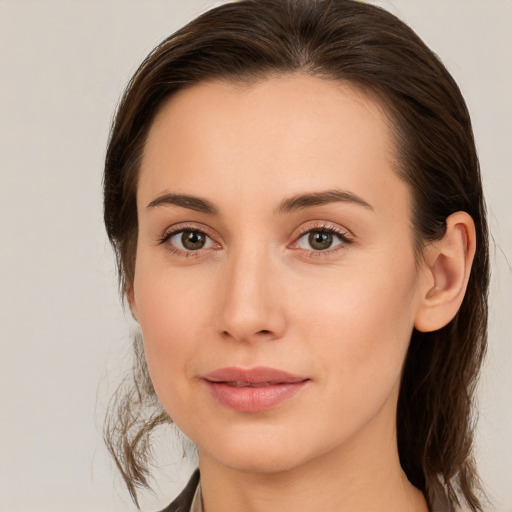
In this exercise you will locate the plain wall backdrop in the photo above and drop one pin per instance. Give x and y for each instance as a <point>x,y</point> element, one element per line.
<point>63,332</point>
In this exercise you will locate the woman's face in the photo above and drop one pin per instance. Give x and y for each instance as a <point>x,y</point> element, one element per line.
<point>275,280</point>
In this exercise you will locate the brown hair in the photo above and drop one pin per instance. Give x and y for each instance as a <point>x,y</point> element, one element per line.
<point>364,45</point>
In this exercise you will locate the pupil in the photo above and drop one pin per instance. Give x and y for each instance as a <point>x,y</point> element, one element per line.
<point>320,240</point>
<point>193,240</point>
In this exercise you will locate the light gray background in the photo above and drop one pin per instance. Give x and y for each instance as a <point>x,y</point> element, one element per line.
<point>63,67</point>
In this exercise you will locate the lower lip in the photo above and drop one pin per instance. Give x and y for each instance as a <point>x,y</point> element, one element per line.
<point>254,399</point>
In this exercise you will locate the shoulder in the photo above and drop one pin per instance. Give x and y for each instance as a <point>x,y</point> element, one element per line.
<point>184,500</point>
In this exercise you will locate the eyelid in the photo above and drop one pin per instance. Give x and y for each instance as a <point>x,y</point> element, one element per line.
<point>187,226</point>
<point>325,226</point>
<point>345,235</point>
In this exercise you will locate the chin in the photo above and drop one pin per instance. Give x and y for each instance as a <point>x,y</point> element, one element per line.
<point>264,451</point>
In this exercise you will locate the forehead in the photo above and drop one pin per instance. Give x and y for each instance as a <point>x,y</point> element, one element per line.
<point>279,135</point>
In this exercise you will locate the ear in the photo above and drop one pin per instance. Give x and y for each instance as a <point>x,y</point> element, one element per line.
<point>447,265</point>
<point>130,297</point>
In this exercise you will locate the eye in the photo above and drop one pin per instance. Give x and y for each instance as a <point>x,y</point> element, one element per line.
<point>189,240</point>
<point>322,239</point>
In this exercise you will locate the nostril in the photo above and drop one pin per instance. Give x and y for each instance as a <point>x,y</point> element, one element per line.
<point>263,334</point>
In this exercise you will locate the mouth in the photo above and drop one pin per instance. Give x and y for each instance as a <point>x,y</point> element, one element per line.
<point>255,389</point>
<point>240,384</point>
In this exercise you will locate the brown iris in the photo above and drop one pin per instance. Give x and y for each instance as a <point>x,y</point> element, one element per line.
<point>193,240</point>
<point>320,240</point>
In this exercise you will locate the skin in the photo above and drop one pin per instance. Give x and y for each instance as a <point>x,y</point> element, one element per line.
<point>257,294</point>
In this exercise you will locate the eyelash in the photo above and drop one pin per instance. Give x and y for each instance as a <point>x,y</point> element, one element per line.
<point>180,229</point>
<point>344,237</point>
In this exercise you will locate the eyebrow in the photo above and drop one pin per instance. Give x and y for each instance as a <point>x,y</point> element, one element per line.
<point>302,201</point>
<point>298,202</point>
<point>197,204</point>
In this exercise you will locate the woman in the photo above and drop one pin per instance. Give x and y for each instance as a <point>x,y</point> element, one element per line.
<point>293,194</point>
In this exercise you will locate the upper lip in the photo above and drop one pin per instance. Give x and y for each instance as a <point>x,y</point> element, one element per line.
<point>260,375</point>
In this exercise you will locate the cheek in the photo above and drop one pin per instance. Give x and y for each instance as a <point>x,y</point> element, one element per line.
<point>361,323</point>
<point>172,312</point>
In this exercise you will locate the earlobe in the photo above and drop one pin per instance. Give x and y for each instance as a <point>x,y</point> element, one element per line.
<point>447,268</point>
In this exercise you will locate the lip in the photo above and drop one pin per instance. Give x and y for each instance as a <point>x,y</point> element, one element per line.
<point>254,389</point>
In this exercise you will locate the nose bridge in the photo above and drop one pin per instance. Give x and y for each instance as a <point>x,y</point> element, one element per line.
<point>250,300</point>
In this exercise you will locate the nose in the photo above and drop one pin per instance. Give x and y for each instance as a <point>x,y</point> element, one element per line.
<point>251,303</point>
